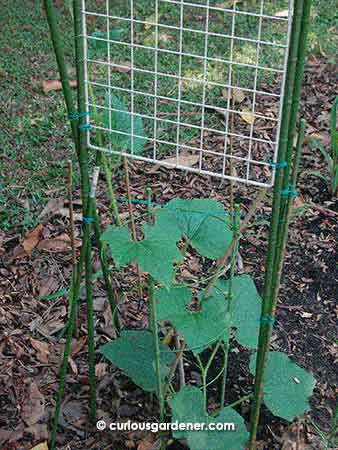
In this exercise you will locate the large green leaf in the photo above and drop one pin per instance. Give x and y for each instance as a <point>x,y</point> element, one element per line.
<point>187,407</point>
<point>121,121</point>
<point>246,308</point>
<point>155,254</point>
<point>198,328</point>
<point>203,222</point>
<point>287,387</point>
<point>133,352</point>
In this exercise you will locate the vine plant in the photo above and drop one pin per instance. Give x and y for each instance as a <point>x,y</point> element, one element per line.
<point>207,314</point>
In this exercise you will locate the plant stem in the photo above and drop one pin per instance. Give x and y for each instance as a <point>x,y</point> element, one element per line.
<point>173,368</point>
<point>180,361</point>
<point>205,371</point>
<point>132,220</point>
<point>157,352</point>
<point>150,216</point>
<point>72,237</point>
<point>103,160</point>
<point>104,264</point>
<point>236,226</point>
<point>255,205</point>
<point>297,45</point>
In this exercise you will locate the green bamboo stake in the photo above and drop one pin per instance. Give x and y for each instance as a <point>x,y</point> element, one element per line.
<point>274,237</point>
<point>298,84</point>
<point>68,96</point>
<point>90,302</point>
<point>72,300</point>
<point>80,76</point>
<point>83,157</point>
<point>61,62</point>
<point>74,292</point>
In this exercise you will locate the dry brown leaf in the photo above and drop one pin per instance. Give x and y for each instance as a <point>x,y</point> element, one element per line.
<point>125,69</point>
<point>183,160</point>
<point>65,213</point>
<point>238,95</point>
<point>55,85</point>
<point>73,366</point>
<point>247,115</point>
<point>58,244</point>
<point>34,406</point>
<point>78,345</point>
<point>42,349</point>
<point>284,13</point>
<point>101,370</point>
<point>145,445</point>
<point>32,239</point>
<point>42,446</point>
<point>53,206</point>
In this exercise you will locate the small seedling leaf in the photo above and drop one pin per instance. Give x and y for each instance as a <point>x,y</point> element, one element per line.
<point>133,352</point>
<point>199,328</point>
<point>287,387</point>
<point>203,222</point>
<point>187,407</point>
<point>157,246</point>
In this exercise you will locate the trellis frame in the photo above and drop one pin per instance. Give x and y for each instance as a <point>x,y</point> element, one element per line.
<point>282,197</point>
<point>223,157</point>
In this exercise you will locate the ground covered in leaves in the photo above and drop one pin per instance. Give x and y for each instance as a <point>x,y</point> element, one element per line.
<point>35,262</point>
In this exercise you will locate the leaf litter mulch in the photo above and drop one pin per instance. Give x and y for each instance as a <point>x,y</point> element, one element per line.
<point>34,266</point>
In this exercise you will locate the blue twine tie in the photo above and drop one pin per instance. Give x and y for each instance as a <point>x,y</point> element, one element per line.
<point>278,165</point>
<point>86,126</point>
<point>77,115</point>
<point>87,220</point>
<point>289,192</point>
<point>267,320</point>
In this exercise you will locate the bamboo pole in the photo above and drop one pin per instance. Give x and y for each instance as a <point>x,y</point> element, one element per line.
<point>90,301</point>
<point>70,106</point>
<point>298,83</point>
<point>274,237</point>
<point>74,292</point>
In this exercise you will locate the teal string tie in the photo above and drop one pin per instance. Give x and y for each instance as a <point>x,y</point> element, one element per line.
<point>289,192</point>
<point>278,165</point>
<point>88,220</point>
<point>267,320</point>
<point>86,126</point>
<point>77,115</point>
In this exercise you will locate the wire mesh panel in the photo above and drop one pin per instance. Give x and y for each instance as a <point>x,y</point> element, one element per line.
<point>194,84</point>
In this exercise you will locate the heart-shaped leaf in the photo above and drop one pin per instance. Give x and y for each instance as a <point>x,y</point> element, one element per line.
<point>155,254</point>
<point>287,387</point>
<point>203,222</point>
<point>198,328</point>
<point>246,311</point>
<point>187,407</point>
<point>133,352</point>
<point>120,122</point>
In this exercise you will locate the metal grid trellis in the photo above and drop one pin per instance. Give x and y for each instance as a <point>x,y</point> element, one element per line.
<point>195,85</point>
